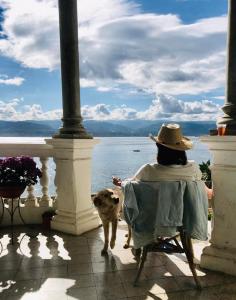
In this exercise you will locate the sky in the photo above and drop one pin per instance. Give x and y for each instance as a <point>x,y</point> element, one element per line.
<point>139,59</point>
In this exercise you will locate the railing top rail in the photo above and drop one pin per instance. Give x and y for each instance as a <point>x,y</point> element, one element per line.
<point>32,146</point>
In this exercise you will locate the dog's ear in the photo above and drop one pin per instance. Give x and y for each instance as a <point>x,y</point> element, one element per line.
<point>97,201</point>
<point>110,192</point>
<point>116,200</point>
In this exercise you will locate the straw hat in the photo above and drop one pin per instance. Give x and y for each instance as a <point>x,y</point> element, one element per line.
<point>170,136</point>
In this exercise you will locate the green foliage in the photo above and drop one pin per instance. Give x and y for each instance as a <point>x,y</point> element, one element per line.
<point>205,169</point>
<point>210,214</point>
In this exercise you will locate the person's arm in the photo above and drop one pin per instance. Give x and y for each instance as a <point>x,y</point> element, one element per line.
<point>209,192</point>
<point>139,175</point>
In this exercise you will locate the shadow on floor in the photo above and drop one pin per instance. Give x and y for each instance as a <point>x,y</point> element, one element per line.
<point>61,266</point>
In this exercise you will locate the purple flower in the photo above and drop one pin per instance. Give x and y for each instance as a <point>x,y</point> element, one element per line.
<point>19,171</point>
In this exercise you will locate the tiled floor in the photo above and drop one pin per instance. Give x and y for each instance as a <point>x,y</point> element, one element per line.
<point>59,266</point>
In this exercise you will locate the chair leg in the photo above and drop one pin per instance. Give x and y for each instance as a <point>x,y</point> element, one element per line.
<point>188,249</point>
<point>141,264</point>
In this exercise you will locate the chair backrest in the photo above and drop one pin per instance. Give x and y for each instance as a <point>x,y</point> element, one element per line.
<point>161,207</point>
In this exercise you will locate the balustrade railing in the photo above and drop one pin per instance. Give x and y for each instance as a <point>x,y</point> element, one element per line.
<point>34,203</point>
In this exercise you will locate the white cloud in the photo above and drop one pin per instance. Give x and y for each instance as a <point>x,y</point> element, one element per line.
<point>87,83</point>
<point>155,53</point>
<point>163,107</point>
<point>15,110</point>
<point>219,97</point>
<point>32,27</point>
<point>107,112</point>
<point>11,81</point>
<point>168,107</point>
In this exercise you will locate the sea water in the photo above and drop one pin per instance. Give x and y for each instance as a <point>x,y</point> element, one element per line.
<point>122,157</point>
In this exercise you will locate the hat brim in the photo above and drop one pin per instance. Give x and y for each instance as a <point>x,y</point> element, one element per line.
<point>183,145</point>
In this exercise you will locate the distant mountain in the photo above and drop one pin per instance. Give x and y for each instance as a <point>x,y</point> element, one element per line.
<point>25,128</point>
<point>188,128</point>
<point>101,128</point>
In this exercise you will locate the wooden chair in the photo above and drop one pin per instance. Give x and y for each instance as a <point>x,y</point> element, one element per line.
<point>169,246</point>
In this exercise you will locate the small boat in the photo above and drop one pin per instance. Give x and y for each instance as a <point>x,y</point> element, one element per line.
<point>136,150</point>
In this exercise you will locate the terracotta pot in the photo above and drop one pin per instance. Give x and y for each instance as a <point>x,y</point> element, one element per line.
<point>11,191</point>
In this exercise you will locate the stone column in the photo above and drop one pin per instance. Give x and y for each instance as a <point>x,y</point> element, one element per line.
<point>229,107</point>
<point>75,212</point>
<point>72,147</point>
<point>72,120</point>
<point>221,254</point>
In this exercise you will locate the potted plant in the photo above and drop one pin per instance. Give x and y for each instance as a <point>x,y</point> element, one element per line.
<point>47,218</point>
<point>15,174</point>
<point>206,173</point>
<point>206,177</point>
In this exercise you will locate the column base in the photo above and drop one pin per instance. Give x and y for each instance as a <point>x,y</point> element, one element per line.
<point>76,224</point>
<point>216,259</point>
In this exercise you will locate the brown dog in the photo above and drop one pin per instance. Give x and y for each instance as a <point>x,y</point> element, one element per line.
<point>109,207</point>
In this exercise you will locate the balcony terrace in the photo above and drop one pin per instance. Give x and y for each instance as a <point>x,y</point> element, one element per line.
<point>62,266</point>
<point>65,263</point>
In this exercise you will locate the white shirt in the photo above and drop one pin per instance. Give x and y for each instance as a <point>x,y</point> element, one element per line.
<point>156,172</point>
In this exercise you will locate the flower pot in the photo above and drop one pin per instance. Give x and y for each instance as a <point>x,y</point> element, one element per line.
<point>13,191</point>
<point>47,218</point>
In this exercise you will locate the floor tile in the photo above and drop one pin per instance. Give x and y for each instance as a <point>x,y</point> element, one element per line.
<point>110,292</point>
<point>56,284</point>
<point>27,274</point>
<point>7,275</point>
<point>21,287</point>
<point>9,263</point>
<point>109,279</point>
<point>80,269</point>
<point>106,266</point>
<point>31,262</point>
<point>82,294</point>
<point>53,262</point>
<point>151,286</point>
<point>155,272</point>
<point>58,271</point>
<point>130,275</point>
<point>82,281</point>
<point>79,258</point>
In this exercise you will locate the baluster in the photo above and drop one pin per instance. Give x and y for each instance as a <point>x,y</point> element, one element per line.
<point>31,200</point>
<point>55,184</point>
<point>45,200</point>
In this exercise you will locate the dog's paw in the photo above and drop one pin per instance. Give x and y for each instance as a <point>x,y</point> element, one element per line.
<point>126,246</point>
<point>112,244</point>
<point>104,252</point>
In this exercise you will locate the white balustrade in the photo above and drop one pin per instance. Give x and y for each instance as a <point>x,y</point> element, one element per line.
<point>34,204</point>
<point>75,213</point>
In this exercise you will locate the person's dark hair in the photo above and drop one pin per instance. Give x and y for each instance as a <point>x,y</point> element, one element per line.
<point>167,156</point>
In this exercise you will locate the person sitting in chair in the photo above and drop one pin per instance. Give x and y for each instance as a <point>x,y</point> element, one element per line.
<point>166,191</point>
<point>172,163</point>
<point>165,200</point>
